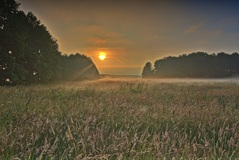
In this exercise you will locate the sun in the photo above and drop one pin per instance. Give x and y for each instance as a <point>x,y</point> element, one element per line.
<point>102,56</point>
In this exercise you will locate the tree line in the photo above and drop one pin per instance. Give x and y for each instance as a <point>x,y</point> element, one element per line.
<point>194,65</point>
<point>29,53</point>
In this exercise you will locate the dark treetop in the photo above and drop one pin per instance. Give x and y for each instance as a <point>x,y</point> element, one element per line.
<point>194,65</point>
<point>29,53</point>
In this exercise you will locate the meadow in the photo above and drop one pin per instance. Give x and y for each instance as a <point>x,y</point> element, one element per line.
<point>121,119</point>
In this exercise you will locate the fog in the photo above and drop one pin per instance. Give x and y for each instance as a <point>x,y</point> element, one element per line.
<point>112,83</point>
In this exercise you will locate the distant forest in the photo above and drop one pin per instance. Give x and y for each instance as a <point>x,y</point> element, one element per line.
<point>194,65</point>
<point>29,54</point>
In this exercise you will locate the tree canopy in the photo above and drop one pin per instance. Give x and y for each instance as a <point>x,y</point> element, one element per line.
<point>147,70</point>
<point>72,63</point>
<point>196,65</point>
<point>28,52</point>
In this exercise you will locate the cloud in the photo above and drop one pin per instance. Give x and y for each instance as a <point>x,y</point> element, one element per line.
<point>100,35</point>
<point>96,40</point>
<point>193,28</point>
<point>216,33</point>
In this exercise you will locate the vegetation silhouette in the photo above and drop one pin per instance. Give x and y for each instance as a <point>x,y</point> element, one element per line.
<point>147,70</point>
<point>72,63</point>
<point>29,54</point>
<point>194,65</point>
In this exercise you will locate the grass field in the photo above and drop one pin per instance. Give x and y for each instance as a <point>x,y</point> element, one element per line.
<point>120,119</point>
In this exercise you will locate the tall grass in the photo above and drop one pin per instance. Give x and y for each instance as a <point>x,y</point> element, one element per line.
<point>120,119</point>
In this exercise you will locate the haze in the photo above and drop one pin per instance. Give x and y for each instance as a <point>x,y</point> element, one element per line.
<point>132,32</point>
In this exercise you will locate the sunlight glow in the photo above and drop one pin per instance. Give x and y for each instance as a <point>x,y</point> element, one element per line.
<point>102,56</point>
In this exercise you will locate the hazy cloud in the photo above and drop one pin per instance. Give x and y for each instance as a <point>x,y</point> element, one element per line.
<point>193,28</point>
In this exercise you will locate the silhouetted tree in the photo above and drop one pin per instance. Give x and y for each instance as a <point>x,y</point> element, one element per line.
<point>147,70</point>
<point>198,65</point>
<point>78,66</point>
<point>29,53</point>
<point>8,45</point>
<point>45,52</point>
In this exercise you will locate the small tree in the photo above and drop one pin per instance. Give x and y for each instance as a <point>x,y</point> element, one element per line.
<point>147,71</point>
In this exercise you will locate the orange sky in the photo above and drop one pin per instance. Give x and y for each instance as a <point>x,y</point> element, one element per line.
<point>132,32</point>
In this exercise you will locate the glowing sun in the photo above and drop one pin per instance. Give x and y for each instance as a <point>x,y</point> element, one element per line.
<point>102,56</point>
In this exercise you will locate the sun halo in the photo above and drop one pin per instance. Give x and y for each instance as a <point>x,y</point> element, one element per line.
<point>102,56</point>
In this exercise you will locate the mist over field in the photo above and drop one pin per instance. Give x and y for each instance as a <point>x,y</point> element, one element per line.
<point>113,79</point>
<point>121,118</point>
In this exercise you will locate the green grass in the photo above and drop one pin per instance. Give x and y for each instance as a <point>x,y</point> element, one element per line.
<point>120,119</point>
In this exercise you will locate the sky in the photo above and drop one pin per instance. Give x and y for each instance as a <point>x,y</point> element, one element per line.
<point>133,32</point>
